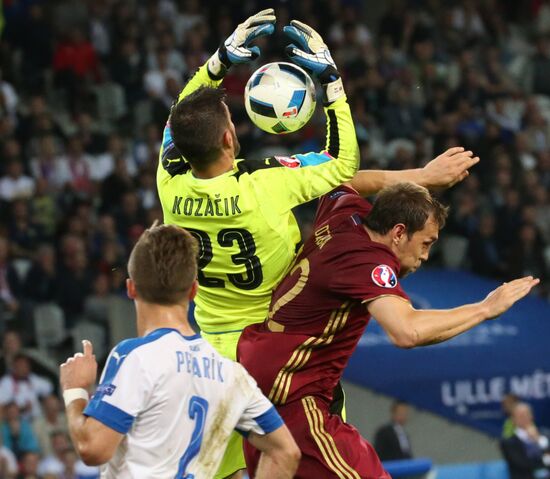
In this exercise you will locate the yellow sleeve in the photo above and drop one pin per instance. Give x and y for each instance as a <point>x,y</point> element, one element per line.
<point>170,161</point>
<point>321,172</point>
<point>200,78</point>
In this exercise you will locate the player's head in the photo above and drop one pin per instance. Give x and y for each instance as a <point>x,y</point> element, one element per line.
<point>163,266</point>
<point>202,129</point>
<point>522,415</point>
<point>509,402</point>
<point>399,412</point>
<point>409,218</point>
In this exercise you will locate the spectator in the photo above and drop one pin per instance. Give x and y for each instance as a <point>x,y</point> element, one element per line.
<point>24,233</point>
<point>8,99</point>
<point>527,254</point>
<point>44,210</point>
<point>527,451</point>
<point>127,70</point>
<point>104,164</point>
<point>402,118</point>
<point>53,463</point>
<point>116,185</point>
<point>21,386</point>
<point>74,468</point>
<point>73,285</point>
<point>40,283</point>
<point>29,466</point>
<point>77,174</point>
<point>155,79</point>
<point>51,421</point>
<point>97,304</point>
<point>509,402</point>
<point>537,77</point>
<point>130,214</point>
<point>17,433</point>
<point>483,252</point>
<point>15,184</point>
<point>467,19</point>
<point>48,165</point>
<point>8,462</point>
<point>392,441</point>
<point>36,49</point>
<point>11,346</point>
<point>9,306</point>
<point>75,65</point>
<point>90,132</point>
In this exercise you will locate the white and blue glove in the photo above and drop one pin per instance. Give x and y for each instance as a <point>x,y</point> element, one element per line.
<point>311,53</point>
<point>236,49</point>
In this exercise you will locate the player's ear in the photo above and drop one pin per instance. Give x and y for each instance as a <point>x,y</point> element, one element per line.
<point>399,232</point>
<point>130,288</point>
<point>193,290</point>
<point>227,139</point>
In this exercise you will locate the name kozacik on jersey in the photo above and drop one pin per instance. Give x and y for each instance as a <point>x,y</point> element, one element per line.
<point>206,206</point>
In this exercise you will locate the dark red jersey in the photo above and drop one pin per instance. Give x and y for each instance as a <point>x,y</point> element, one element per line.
<point>318,312</point>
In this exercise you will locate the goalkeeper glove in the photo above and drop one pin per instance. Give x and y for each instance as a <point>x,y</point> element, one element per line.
<point>310,52</point>
<point>237,49</point>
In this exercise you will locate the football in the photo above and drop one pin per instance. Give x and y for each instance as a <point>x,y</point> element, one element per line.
<point>280,98</point>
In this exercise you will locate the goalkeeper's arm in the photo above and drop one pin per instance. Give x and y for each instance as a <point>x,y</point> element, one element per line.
<point>310,52</point>
<point>339,161</point>
<point>235,49</point>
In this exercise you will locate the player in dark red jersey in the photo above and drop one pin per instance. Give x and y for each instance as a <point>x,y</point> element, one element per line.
<point>348,270</point>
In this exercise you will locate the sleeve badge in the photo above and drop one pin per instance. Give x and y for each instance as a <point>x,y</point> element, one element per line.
<point>384,276</point>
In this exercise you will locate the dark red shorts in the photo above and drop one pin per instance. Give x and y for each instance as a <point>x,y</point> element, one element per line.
<point>330,447</point>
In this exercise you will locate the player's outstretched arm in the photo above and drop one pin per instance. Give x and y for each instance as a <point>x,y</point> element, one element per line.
<point>309,51</point>
<point>280,454</point>
<point>236,49</point>
<point>409,328</point>
<point>340,159</point>
<point>443,171</point>
<point>95,442</point>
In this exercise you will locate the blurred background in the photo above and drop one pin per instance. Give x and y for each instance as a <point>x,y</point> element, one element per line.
<point>85,90</point>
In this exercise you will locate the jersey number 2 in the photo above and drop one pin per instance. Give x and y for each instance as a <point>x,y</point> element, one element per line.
<point>198,407</point>
<point>246,256</point>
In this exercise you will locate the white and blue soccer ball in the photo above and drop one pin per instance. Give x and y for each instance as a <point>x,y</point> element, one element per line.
<point>280,98</point>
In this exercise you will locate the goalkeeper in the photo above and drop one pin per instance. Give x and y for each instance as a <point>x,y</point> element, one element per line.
<point>239,210</point>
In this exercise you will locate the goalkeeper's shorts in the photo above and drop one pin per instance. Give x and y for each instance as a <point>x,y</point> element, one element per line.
<point>233,459</point>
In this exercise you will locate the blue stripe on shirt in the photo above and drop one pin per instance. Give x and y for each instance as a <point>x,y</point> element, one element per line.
<point>110,415</point>
<point>312,159</point>
<point>270,420</point>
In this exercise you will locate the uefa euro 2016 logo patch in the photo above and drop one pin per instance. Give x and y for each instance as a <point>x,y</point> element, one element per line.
<point>384,276</point>
<point>288,161</point>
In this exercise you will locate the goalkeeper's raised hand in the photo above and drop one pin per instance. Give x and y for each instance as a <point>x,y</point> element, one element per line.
<point>237,49</point>
<point>310,52</point>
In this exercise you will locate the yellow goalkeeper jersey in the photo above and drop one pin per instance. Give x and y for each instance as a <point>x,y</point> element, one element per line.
<point>243,218</point>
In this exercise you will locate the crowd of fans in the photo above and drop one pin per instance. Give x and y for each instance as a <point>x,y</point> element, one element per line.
<point>86,87</point>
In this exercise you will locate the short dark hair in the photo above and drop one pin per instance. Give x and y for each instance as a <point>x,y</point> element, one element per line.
<point>405,203</point>
<point>197,123</point>
<point>163,264</point>
<point>21,356</point>
<point>397,404</point>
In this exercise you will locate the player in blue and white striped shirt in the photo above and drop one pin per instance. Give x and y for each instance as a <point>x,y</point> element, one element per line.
<point>167,401</point>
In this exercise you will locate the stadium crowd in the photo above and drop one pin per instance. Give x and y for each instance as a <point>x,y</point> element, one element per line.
<point>85,89</point>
